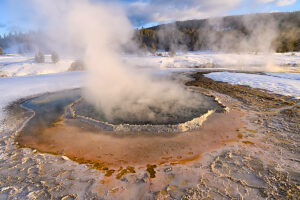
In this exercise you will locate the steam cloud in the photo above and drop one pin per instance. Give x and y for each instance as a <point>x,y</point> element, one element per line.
<point>96,32</point>
<point>261,33</point>
<point>261,36</point>
<point>247,34</point>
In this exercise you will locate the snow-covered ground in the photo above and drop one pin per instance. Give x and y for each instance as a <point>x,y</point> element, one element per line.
<point>13,58</point>
<point>22,77</point>
<point>42,174</point>
<point>263,62</point>
<point>14,65</point>
<point>293,76</point>
<point>14,88</point>
<point>279,83</point>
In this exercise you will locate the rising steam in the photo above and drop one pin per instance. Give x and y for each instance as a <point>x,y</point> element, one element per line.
<point>97,32</point>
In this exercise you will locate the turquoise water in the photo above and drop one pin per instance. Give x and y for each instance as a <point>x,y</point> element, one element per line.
<point>48,108</point>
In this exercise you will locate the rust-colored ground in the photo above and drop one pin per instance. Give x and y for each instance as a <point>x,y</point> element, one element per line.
<point>112,150</point>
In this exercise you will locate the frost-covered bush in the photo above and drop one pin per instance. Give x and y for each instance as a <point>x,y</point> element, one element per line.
<point>172,52</point>
<point>76,66</point>
<point>1,51</point>
<point>54,57</point>
<point>39,57</point>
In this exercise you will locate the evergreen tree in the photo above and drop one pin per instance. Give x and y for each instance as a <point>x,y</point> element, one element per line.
<point>54,57</point>
<point>39,57</point>
<point>153,48</point>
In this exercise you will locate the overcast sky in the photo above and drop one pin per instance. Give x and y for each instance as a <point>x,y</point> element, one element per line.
<point>15,15</point>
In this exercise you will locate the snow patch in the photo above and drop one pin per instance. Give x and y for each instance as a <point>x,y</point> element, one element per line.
<point>243,61</point>
<point>280,85</point>
<point>293,76</point>
<point>14,65</point>
<point>14,88</point>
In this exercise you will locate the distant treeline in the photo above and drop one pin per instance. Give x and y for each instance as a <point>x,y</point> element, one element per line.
<point>19,42</point>
<point>280,31</point>
<point>225,33</point>
<point>24,41</point>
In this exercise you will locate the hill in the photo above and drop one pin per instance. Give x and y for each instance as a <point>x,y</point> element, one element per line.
<point>253,32</point>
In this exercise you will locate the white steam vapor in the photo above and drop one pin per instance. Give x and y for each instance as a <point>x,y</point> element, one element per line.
<point>261,34</point>
<point>96,32</point>
<point>254,33</point>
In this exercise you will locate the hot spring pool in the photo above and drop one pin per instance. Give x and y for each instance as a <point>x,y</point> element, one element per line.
<point>48,108</point>
<point>64,123</point>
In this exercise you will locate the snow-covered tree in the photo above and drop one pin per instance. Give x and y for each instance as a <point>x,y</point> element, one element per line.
<point>1,51</point>
<point>39,57</point>
<point>54,57</point>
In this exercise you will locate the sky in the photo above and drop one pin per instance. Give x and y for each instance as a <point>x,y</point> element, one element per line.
<point>17,15</point>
